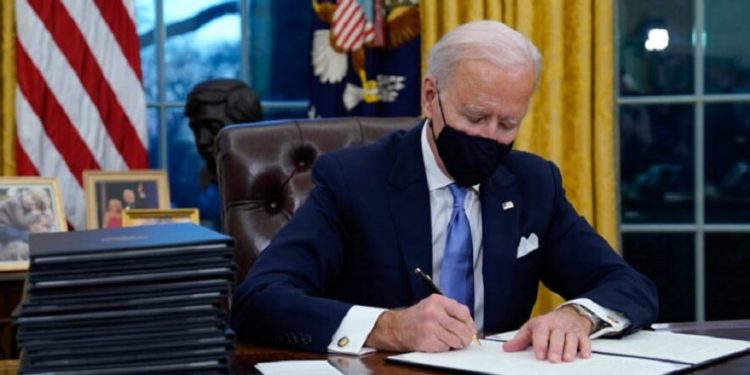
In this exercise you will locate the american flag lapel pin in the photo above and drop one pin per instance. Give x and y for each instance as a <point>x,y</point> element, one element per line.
<point>507,205</point>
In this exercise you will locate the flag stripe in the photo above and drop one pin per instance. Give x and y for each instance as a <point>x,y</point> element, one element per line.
<point>350,31</point>
<point>113,58</point>
<point>23,164</point>
<point>123,29</point>
<point>130,8</point>
<point>354,35</point>
<point>350,27</point>
<point>68,37</point>
<point>35,149</point>
<point>62,80</point>
<point>346,23</point>
<point>79,97</point>
<point>341,15</point>
<point>55,121</point>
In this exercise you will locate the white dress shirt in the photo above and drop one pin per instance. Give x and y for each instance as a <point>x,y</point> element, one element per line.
<point>359,320</point>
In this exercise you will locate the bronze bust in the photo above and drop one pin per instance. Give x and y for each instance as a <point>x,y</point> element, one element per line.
<point>212,105</point>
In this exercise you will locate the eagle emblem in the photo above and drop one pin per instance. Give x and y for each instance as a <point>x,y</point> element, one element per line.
<point>393,23</point>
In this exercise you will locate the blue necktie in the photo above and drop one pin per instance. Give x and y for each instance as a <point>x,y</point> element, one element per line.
<point>457,273</point>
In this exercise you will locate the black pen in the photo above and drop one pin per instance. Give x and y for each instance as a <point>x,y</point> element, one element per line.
<point>431,285</point>
<point>428,281</point>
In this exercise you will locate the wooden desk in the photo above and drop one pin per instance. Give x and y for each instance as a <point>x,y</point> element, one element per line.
<point>246,356</point>
<point>11,290</point>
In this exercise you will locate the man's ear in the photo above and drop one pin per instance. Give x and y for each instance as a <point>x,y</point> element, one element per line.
<point>429,90</point>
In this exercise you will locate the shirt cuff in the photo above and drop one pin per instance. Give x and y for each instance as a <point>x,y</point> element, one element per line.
<point>353,331</point>
<point>615,322</point>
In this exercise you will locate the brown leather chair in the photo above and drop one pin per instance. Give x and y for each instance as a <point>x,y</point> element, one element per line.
<point>264,168</point>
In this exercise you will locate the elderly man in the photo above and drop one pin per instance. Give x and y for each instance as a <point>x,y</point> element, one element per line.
<point>449,197</point>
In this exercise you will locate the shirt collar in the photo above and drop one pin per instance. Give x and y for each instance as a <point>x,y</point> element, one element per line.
<point>436,178</point>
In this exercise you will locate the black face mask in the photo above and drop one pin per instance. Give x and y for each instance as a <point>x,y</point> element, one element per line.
<point>468,159</point>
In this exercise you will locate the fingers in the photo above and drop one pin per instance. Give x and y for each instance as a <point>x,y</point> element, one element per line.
<point>520,341</point>
<point>439,324</point>
<point>461,332</point>
<point>555,337</point>
<point>540,340</point>
<point>570,350</point>
<point>566,345</point>
<point>456,321</point>
<point>584,346</point>
<point>460,313</point>
<point>459,322</point>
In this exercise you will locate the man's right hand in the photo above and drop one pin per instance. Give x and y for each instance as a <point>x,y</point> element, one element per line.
<point>435,324</point>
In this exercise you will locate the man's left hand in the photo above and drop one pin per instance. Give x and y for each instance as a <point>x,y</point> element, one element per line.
<point>555,336</point>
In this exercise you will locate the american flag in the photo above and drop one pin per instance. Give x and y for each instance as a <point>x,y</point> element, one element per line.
<point>79,99</point>
<point>350,27</point>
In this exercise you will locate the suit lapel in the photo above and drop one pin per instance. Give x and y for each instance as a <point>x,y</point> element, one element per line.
<point>409,201</point>
<point>500,235</point>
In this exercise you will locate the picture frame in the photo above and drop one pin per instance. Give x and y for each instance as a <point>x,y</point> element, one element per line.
<point>109,194</point>
<point>27,205</point>
<point>148,216</point>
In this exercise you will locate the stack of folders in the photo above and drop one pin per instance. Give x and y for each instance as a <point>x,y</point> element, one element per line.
<point>146,299</point>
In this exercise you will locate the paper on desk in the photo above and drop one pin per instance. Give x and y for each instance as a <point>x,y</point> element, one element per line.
<point>680,347</point>
<point>690,349</point>
<point>489,358</point>
<point>312,367</point>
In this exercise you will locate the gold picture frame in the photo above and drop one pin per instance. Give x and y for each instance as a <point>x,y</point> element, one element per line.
<point>109,194</point>
<point>27,205</point>
<point>146,216</point>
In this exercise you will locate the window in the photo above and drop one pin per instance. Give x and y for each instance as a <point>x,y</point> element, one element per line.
<point>186,42</point>
<point>684,122</point>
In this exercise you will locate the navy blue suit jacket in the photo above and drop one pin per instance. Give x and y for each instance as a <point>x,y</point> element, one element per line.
<point>366,226</point>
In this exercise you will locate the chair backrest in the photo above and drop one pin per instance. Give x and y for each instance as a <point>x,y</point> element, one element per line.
<point>263,172</point>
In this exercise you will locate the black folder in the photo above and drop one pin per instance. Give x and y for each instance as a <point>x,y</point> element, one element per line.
<point>64,247</point>
<point>127,300</point>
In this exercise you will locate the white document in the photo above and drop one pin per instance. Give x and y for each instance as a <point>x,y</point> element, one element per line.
<point>312,367</point>
<point>692,349</point>
<point>665,346</point>
<point>489,358</point>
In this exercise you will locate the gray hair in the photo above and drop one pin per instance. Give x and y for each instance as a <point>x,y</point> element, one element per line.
<point>490,41</point>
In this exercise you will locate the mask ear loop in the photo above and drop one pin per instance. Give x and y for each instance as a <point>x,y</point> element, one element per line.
<point>442,114</point>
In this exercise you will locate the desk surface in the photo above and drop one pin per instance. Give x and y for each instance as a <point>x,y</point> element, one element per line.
<point>246,356</point>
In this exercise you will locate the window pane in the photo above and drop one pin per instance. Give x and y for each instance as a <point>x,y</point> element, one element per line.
<point>668,260</point>
<point>152,123</point>
<point>727,281</point>
<point>655,45</point>
<point>656,167</point>
<point>280,57</point>
<point>202,42</point>
<point>145,14</point>
<point>727,64</point>
<point>727,162</point>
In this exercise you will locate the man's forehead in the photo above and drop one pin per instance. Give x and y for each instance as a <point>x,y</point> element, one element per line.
<point>473,108</point>
<point>478,72</point>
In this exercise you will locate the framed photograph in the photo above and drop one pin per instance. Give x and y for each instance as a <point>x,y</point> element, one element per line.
<point>27,205</point>
<point>108,194</point>
<point>147,216</point>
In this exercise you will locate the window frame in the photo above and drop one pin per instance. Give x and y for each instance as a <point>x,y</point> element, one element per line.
<point>162,106</point>
<point>699,99</point>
